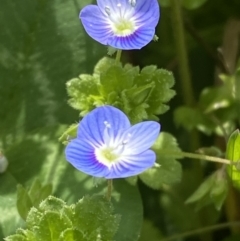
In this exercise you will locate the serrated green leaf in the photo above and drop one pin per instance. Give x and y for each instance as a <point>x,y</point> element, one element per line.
<point>52,225</point>
<point>16,237</point>
<point>138,95</point>
<point>115,79</point>
<point>233,154</point>
<point>103,64</point>
<point>91,218</point>
<point>125,198</point>
<point>24,202</point>
<point>169,170</point>
<point>83,92</point>
<point>33,218</point>
<point>52,204</point>
<point>94,216</point>
<point>193,4</point>
<point>161,93</point>
<point>71,234</point>
<point>145,93</point>
<point>27,234</point>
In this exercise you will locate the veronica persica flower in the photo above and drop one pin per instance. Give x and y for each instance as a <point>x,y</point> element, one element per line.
<point>108,146</point>
<point>122,24</point>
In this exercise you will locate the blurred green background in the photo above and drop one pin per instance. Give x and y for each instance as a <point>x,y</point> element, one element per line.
<point>42,45</point>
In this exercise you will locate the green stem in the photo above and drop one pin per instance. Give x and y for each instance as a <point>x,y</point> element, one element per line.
<point>201,230</point>
<point>184,71</point>
<point>206,158</point>
<point>197,156</point>
<point>118,55</point>
<point>109,189</point>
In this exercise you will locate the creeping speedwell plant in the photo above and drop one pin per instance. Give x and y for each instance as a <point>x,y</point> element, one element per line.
<point>87,183</point>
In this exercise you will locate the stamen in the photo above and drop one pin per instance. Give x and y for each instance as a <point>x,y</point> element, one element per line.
<point>107,10</point>
<point>106,134</point>
<point>124,142</point>
<point>120,9</point>
<point>107,124</point>
<point>132,2</point>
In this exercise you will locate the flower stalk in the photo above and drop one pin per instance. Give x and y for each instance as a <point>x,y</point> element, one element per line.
<point>118,55</point>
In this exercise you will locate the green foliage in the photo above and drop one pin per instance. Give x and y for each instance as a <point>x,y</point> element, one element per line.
<point>211,151</point>
<point>10,219</point>
<point>175,210</point>
<point>91,218</point>
<point>188,4</point>
<point>233,154</point>
<point>50,48</point>
<point>140,94</point>
<point>193,4</point>
<point>217,109</point>
<point>70,133</point>
<point>149,232</point>
<point>164,3</point>
<point>213,190</point>
<point>42,155</point>
<point>42,44</point>
<point>167,170</point>
<point>27,199</point>
<point>191,118</point>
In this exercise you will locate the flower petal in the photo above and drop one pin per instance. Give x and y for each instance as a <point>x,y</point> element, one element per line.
<point>118,8</point>
<point>92,128</point>
<point>81,155</point>
<point>147,13</point>
<point>95,24</point>
<point>132,165</point>
<point>142,137</point>
<point>137,40</point>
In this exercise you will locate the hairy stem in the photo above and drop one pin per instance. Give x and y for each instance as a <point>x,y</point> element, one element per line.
<point>197,156</point>
<point>118,55</point>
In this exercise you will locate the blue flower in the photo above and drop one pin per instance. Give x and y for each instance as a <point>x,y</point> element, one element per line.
<point>108,146</point>
<point>122,24</point>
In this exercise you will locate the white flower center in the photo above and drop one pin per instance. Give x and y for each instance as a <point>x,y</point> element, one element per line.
<point>112,150</point>
<point>122,23</point>
<point>123,27</point>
